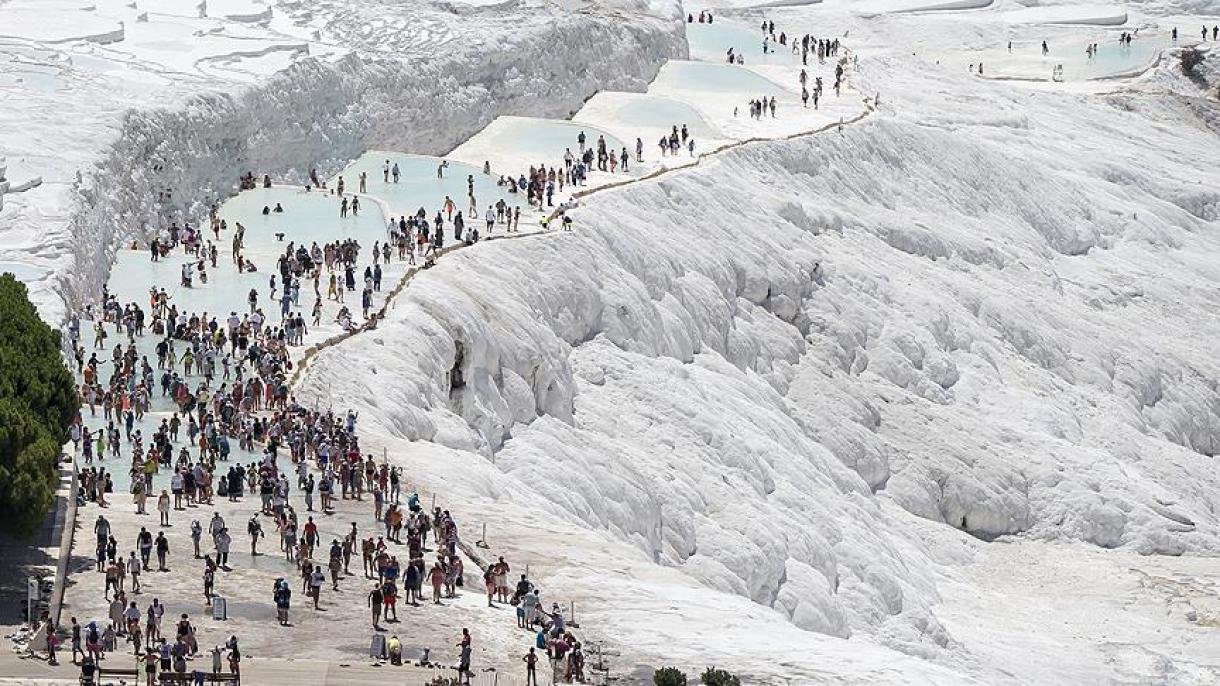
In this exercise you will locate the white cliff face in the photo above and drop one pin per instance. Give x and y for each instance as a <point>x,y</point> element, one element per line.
<point>4,182</point>
<point>757,372</point>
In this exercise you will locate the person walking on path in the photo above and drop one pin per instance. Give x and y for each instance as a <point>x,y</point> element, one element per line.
<point>133,571</point>
<point>464,671</point>
<point>52,643</point>
<point>223,541</point>
<point>162,551</point>
<point>437,577</point>
<point>196,536</point>
<point>531,667</point>
<point>376,599</point>
<point>283,599</point>
<point>76,641</point>
<point>255,529</point>
<point>144,540</point>
<point>316,579</point>
<point>163,507</point>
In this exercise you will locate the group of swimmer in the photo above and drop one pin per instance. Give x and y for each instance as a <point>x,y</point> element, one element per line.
<point>807,45</point>
<point>1125,39</point>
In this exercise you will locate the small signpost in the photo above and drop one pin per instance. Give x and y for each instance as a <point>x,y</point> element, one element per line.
<point>32,595</point>
<point>220,608</point>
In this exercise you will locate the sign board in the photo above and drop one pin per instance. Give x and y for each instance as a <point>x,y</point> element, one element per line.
<point>377,647</point>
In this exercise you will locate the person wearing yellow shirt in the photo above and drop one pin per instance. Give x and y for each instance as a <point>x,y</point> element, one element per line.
<point>394,648</point>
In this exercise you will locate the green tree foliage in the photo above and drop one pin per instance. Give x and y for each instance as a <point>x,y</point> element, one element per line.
<point>718,677</point>
<point>669,676</point>
<point>37,403</point>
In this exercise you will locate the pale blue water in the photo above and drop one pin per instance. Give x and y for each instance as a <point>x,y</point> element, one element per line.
<point>1111,58</point>
<point>96,64</point>
<point>134,273</point>
<point>308,216</point>
<point>418,185</point>
<point>29,67</point>
<point>23,272</point>
<point>312,216</point>
<point>545,140</point>
<point>712,41</point>
<point>655,111</point>
<point>31,77</point>
<point>720,78</point>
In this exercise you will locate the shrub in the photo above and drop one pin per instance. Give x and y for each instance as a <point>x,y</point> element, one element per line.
<point>718,677</point>
<point>669,676</point>
<point>37,403</point>
<point>1191,58</point>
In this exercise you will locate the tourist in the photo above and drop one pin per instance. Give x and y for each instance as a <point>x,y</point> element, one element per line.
<point>531,662</point>
<point>375,601</point>
<point>282,597</point>
<point>76,642</point>
<point>162,551</point>
<point>222,541</point>
<point>163,507</point>
<point>464,670</point>
<point>316,579</point>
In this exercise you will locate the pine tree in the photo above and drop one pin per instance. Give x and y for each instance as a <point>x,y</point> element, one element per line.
<point>669,676</point>
<point>718,677</point>
<point>37,403</point>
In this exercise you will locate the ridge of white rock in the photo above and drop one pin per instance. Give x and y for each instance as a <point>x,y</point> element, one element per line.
<point>755,372</point>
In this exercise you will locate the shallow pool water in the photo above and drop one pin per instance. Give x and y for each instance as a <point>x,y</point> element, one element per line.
<point>307,217</point>
<point>23,272</point>
<point>119,467</point>
<point>419,185</point>
<point>20,74</point>
<point>45,83</point>
<point>1110,60</point>
<point>655,112</point>
<point>720,78</point>
<point>134,273</point>
<point>545,140</point>
<point>712,41</point>
<point>95,64</point>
